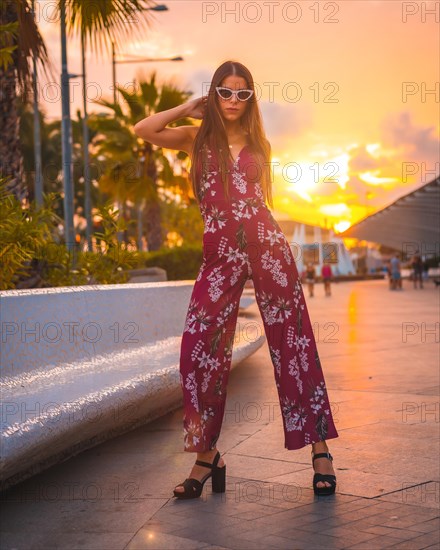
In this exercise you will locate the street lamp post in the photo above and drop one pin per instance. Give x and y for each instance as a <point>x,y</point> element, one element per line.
<point>38,184</point>
<point>66,131</point>
<point>87,186</point>
<point>134,59</point>
<point>157,7</point>
<point>114,72</point>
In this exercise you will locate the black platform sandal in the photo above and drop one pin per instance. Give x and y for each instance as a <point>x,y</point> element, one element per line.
<point>330,478</point>
<point>193,487</point>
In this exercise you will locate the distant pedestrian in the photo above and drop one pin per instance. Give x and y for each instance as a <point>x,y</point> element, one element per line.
<point>417,266</point>
<point>390,279</point>
<point>396,276</point>
<point>310,278</point>
<point>387,271</point>
<point>425,270</point>
<point>327,275</point>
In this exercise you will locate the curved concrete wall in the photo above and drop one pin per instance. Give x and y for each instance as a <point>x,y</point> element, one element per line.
<point>82,364</point>
<point>48,326</point>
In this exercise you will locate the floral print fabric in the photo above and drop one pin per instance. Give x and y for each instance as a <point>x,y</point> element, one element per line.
<point>242,240</point>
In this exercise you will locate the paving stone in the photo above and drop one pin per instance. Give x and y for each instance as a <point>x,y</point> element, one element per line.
<point>68,541</point>
<point>251,514</point>
<point>228,538</point>
<point>348,534</point>
<point>253,530</point>
<point>163,526</point>
<point>289,544</point>
<point>404,522</point>
<point>427,539</point>
<point>305,540</point>
<point>400,534</point>
<point>426,526</point>
<point>377,543</point>
<point>426,495</point>
<point>146,538</point>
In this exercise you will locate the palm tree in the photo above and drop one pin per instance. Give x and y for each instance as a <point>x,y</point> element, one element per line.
<point>101,21</point>
<point>50,149</point>
<point>20,40</point>
<point>132,169</point>
<point>51,155</point>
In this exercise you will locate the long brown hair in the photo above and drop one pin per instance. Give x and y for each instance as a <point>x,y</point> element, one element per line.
<point>212,132</point>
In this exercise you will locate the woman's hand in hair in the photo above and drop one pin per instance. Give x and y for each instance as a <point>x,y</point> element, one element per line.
<point>196,108</point>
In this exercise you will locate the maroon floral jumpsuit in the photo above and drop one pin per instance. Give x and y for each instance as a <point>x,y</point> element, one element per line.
<point>242,240</point>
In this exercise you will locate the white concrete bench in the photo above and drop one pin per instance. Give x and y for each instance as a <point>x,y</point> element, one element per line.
<point>80,365</point>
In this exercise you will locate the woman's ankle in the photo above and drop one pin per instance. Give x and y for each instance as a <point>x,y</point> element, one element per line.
<point>320,446</point>
<point>207,454</point>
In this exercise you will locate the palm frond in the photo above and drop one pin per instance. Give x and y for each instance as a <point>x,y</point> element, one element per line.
<point>171,97</point>
<point>149,92</point>
<point>116,108</point>
<point>135,106</point>
<point>26,44</point>
<point>8,32</point>
<point>104,21</point>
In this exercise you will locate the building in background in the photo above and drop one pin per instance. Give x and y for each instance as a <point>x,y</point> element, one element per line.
<point>311,243</point>
<point>410,225</point>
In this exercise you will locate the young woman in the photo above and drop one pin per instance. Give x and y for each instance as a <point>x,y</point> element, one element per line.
<point>231,180</point>
<point>327,275</point>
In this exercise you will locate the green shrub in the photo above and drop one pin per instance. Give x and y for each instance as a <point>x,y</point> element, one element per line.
<point>32,254</point>
<point>23,233</point>
<point>180,262</point>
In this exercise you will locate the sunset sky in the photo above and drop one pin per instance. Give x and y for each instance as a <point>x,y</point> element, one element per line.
<point>350,62</point>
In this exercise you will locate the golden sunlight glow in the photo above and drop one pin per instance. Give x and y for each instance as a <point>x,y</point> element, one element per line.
<point>342,226</point>
<point>341,176</point>
<point>338,209</point>
<point>174,239</point>
<point>320,153</point>
<point>304,178</point>
<point>376,150</point>
<point>290,177</point>
<point>373,179</point>
<point>300,179</point>
<point>310,175</point>
<point>372,148</point>
<point>352,317</point>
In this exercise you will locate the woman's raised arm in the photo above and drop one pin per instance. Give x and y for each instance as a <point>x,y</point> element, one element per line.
<point>153,128</point>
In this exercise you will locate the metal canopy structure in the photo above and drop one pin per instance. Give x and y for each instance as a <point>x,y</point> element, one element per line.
<point>410,224</point>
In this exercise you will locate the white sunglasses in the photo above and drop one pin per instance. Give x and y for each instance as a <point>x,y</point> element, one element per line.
<point>227,93</point>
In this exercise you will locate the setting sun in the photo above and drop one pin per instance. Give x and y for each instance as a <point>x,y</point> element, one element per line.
<point>342,226</point>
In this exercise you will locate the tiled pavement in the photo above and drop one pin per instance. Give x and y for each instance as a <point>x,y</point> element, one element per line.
<point>381,366</point>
